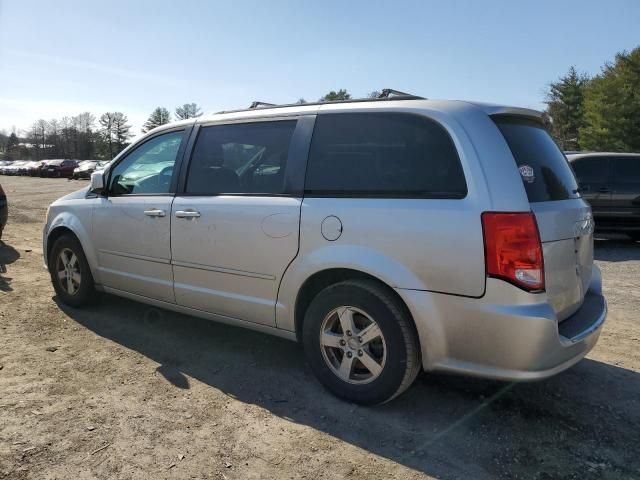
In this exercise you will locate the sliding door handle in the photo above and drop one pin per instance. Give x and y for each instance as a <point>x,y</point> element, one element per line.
<point>187,214</point>
<point>155,212</point>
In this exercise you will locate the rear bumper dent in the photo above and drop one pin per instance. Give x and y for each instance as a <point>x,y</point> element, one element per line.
<point>585,321</point>
<point>507,335</point>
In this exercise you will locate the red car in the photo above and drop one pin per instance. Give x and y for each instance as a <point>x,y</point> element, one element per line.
<point>58,168</point>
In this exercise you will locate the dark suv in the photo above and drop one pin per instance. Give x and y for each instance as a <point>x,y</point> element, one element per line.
<point>610,182</point>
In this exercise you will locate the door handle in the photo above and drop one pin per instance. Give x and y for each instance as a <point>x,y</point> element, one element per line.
<point>155,212</point>
<point>604,190</point>
<point>187,214</point>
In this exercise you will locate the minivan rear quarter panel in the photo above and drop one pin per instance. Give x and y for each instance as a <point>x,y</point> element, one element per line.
<point>427,244</point>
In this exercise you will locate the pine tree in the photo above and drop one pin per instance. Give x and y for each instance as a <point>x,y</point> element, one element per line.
<point>565,106</point>
<point>106,133</point>
<point>12,144</point>
<point>612,106</point>
<point>158,117</point>
<point>122,130</point>
<point>188,110</point>
<point>114,132</point>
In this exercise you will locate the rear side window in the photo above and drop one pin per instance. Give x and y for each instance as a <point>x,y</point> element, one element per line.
<point>626,170</point>
<point>383,154</point>
<point>249,158</point>
<point>545,171</point>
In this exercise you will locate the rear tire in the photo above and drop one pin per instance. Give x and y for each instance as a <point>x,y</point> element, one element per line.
<point>361,342</point>
<point>70,272</point>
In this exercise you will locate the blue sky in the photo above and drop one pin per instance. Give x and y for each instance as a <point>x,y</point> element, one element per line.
<point>61,58</point>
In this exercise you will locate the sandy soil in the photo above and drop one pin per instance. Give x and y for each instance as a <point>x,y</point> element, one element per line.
<point>122,390</point>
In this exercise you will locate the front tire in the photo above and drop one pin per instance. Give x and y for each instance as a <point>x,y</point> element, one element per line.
<point>70,272</point>
<point>360,342</point>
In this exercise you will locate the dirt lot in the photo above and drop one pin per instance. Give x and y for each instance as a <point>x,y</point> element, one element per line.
<point>122,390</point>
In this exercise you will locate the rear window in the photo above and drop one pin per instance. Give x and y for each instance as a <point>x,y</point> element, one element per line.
<point>544,169</point>
<point>383,154</point>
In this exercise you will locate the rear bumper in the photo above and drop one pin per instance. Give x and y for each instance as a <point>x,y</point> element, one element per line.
<point>508,334</point>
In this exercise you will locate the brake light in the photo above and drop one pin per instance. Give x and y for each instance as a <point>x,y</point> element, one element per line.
<point>512,247</point>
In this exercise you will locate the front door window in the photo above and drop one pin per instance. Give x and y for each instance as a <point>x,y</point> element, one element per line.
<point>149,168</point>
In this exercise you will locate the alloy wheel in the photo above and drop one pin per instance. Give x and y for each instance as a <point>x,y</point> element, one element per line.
<point>353,345</point>
<point>68,271</point>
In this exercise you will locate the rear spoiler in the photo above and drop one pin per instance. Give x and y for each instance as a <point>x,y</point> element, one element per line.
<point>522,112</point>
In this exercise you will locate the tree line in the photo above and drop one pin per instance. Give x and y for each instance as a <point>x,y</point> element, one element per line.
<point>83,136</point>
<point>600,113</point>
<point>86,137</point>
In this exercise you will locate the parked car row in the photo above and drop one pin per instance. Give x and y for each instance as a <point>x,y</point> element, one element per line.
<point>60,168</point>
<point>87,167</point>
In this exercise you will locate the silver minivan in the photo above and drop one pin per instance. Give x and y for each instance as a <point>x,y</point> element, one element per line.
<point>387,236</point>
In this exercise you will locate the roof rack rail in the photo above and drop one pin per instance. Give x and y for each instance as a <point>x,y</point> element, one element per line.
<point>386,95</point>
<point>390,92</point>
<point>258,104</point>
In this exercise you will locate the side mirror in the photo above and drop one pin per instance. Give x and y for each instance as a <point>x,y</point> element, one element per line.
<point>97,183</point>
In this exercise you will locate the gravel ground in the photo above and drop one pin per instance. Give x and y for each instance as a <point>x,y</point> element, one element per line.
<point>122,390</point>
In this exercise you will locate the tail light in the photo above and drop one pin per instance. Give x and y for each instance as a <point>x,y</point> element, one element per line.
<point>513,251</point>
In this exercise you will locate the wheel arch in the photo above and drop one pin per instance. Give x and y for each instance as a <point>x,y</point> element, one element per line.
<point>54,235</point>
<point>66,223</point>
<point>320,280</point>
